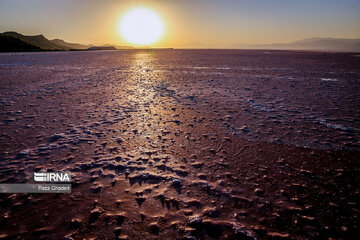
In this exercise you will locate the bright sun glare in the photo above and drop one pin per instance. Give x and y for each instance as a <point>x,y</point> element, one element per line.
<point>141,26</point>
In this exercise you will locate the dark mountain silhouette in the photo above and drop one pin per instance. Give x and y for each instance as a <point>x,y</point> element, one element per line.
<point>321,44</point>
<point>102,48</point>
<point>62,43</point>
<point>43,43</point>
<point>39,42</point>
<point>11,44</point>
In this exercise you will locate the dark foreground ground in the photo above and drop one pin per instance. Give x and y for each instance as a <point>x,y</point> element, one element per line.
<point>182,144</point>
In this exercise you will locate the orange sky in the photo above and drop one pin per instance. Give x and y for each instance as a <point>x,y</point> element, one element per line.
<point>188,23</point>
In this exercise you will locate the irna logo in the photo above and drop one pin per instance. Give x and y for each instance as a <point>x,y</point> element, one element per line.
<point>52,177</point>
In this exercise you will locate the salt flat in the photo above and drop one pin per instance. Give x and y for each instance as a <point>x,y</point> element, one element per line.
<point>182,143</point>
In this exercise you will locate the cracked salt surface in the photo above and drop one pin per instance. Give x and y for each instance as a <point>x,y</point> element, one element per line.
<point>156,153</point>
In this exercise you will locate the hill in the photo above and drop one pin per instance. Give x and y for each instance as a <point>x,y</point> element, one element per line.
<point>37,40</point>
<point>102,48</point>
<point>43,43</point>
<point>320,44</point>
<point>68,46</point>
<point>12,44</point>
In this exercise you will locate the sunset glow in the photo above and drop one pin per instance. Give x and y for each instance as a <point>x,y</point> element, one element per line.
<point>141,26</point>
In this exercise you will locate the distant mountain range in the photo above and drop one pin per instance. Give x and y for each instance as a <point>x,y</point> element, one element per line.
<point>102,48</point>
<point>313,44</point>
<point>43,43</point>
<point>68,46</point>
<point>11,44</point>
<point>14,42</point>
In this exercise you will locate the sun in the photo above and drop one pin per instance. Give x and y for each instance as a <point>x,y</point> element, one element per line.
<point>141,26</point>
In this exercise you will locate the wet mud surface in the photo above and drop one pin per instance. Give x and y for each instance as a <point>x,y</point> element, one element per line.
<point>182,144</point>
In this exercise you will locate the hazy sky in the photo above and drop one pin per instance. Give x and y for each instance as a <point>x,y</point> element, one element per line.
<point>188,23</point>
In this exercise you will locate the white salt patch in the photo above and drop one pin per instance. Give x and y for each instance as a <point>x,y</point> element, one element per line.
<point>329,79</point>
<point>337,126</point>
<point>200,67</point>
